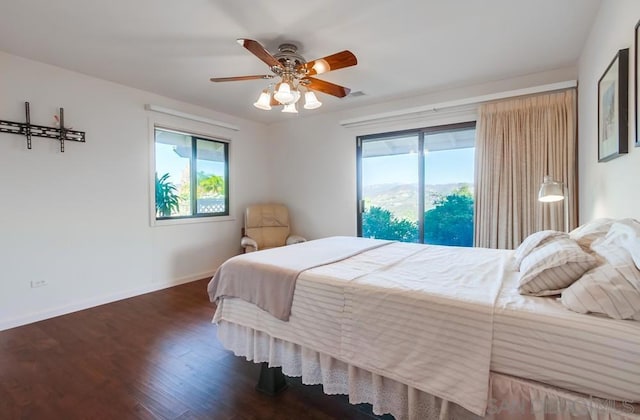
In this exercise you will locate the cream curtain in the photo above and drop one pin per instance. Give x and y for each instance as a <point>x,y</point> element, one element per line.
<point>518,141</point>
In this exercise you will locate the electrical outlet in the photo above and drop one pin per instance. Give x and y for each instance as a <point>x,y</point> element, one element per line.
<point>38,283</point>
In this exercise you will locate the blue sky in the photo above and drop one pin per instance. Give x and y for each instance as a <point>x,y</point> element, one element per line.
<point>441,167</point>
<point>168,161</point>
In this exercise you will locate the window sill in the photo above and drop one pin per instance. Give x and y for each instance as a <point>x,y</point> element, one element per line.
<point>189,220</point>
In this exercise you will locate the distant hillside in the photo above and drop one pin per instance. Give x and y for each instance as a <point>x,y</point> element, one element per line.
<point>402,199</point>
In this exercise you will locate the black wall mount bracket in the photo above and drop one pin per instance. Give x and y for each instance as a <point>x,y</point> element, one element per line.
<point>29,130</point>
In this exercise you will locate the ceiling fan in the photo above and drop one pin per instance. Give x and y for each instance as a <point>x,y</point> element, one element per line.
<point>295,75</point>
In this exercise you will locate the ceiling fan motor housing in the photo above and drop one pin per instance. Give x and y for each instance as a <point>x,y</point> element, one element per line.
<point>290,59</point>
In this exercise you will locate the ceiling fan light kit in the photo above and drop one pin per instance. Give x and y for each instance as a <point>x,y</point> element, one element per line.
<point>284,94</point>
<point>290,109</point>
<point>310,101</point>
<point>264,100</point>
<point>295,76</point>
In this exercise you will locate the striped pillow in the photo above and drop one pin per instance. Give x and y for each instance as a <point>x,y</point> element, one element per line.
<point>532,242</point>
<point>553,267</point>
<point>604,290</point>
<point>585,234</point>
<point>623,233</point>
<point>619,248</point>
<point>613,288</point>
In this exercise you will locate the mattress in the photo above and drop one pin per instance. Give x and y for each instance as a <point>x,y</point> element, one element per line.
<point>534,338</point>
<point>537,338</point>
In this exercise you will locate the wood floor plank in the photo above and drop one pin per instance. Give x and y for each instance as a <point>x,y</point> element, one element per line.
<point>154,356</point>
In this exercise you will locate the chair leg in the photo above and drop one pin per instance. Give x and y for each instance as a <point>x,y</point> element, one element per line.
<point>271,380</point>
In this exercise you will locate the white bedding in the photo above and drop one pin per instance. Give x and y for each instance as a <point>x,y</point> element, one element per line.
<point>421,315</point>
<point>268,278</point>
<point>510,397</point>
<point>534,338</point>
<point>538,338</point>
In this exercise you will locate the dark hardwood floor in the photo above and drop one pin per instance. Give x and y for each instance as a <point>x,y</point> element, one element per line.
<point>154,356</point>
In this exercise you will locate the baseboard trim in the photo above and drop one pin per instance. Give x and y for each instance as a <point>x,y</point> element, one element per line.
<point>93,302</point>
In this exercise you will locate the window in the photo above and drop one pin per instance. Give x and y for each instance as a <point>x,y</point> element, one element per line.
<point>417,185</point>
<point>192,175</point>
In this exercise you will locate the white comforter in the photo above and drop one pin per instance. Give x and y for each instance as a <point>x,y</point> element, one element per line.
<point>421,315</point>
<point>426,320</point>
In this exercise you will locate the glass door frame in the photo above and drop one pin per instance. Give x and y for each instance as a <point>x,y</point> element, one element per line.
<point>420,132</point>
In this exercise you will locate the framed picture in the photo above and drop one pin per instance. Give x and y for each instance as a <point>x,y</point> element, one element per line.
<point>637,44</point>
<point>613,103</point>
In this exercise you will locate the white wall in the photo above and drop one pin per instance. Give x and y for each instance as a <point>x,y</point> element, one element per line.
<point>80,219</point>
<point>608,189</point>
<point>315,157</point>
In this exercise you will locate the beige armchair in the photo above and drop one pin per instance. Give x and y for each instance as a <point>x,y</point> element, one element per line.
<point>267,226</point>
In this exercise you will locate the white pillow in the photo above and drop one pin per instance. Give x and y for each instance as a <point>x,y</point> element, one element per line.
<point>532,242</point>
<point>585,234</point>
<point>610,289</point>
<point>612,249</point>
<point>551,268</point>
<point>624,233</point>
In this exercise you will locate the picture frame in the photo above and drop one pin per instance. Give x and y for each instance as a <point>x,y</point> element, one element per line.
<point>637,44</point>
<point>613,104</point>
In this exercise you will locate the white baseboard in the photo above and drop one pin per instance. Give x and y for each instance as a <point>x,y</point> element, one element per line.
<point>97,301</point>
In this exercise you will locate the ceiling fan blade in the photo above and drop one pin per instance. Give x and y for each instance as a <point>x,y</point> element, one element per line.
<point>331,62</point>
<point>326,87</point>
<point>259,51</point>
<point>237,78</point>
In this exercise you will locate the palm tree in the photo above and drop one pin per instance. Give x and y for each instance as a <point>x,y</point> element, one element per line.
<point>210,185</point>
<point>166,196</point>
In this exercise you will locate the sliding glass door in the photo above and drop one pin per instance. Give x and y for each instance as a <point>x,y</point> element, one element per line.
<point>417,186</point>
<point>390,193</point>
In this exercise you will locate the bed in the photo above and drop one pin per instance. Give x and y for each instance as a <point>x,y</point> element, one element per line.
<point>425,331</point>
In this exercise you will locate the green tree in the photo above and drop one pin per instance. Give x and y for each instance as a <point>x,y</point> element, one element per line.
<point>210,184</point>
<point>381,224</point>
<point>166,196</point>
<point>450,222</point>
<point>207,186</point>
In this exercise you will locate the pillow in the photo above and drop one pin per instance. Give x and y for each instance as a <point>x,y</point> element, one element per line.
<point>603,290</point>
<point>553,267</point>
<point>532,242</point>
<point>612,249</point>
<point>612,289</point>
<point>585,234</point>
<point>624,233</point>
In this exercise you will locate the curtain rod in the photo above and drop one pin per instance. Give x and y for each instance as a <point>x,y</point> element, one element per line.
<point>175,113</point>
<point>354,122</point>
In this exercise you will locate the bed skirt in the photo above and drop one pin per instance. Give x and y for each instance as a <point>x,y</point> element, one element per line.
<point>510,397</point>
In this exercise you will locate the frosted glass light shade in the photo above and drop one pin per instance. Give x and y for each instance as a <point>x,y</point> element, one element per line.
<point>290,108</point>
<point>321,66</point>
<point>283,94</point>
<point>550,191</point>
<point>295,96</point>
<point>310,101</point>
<point>264,101</point>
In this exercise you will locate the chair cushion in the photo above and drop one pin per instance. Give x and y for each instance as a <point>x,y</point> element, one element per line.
<point>267,224</point>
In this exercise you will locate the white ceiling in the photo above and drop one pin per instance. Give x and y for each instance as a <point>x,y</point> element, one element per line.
<point>404,47</point>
